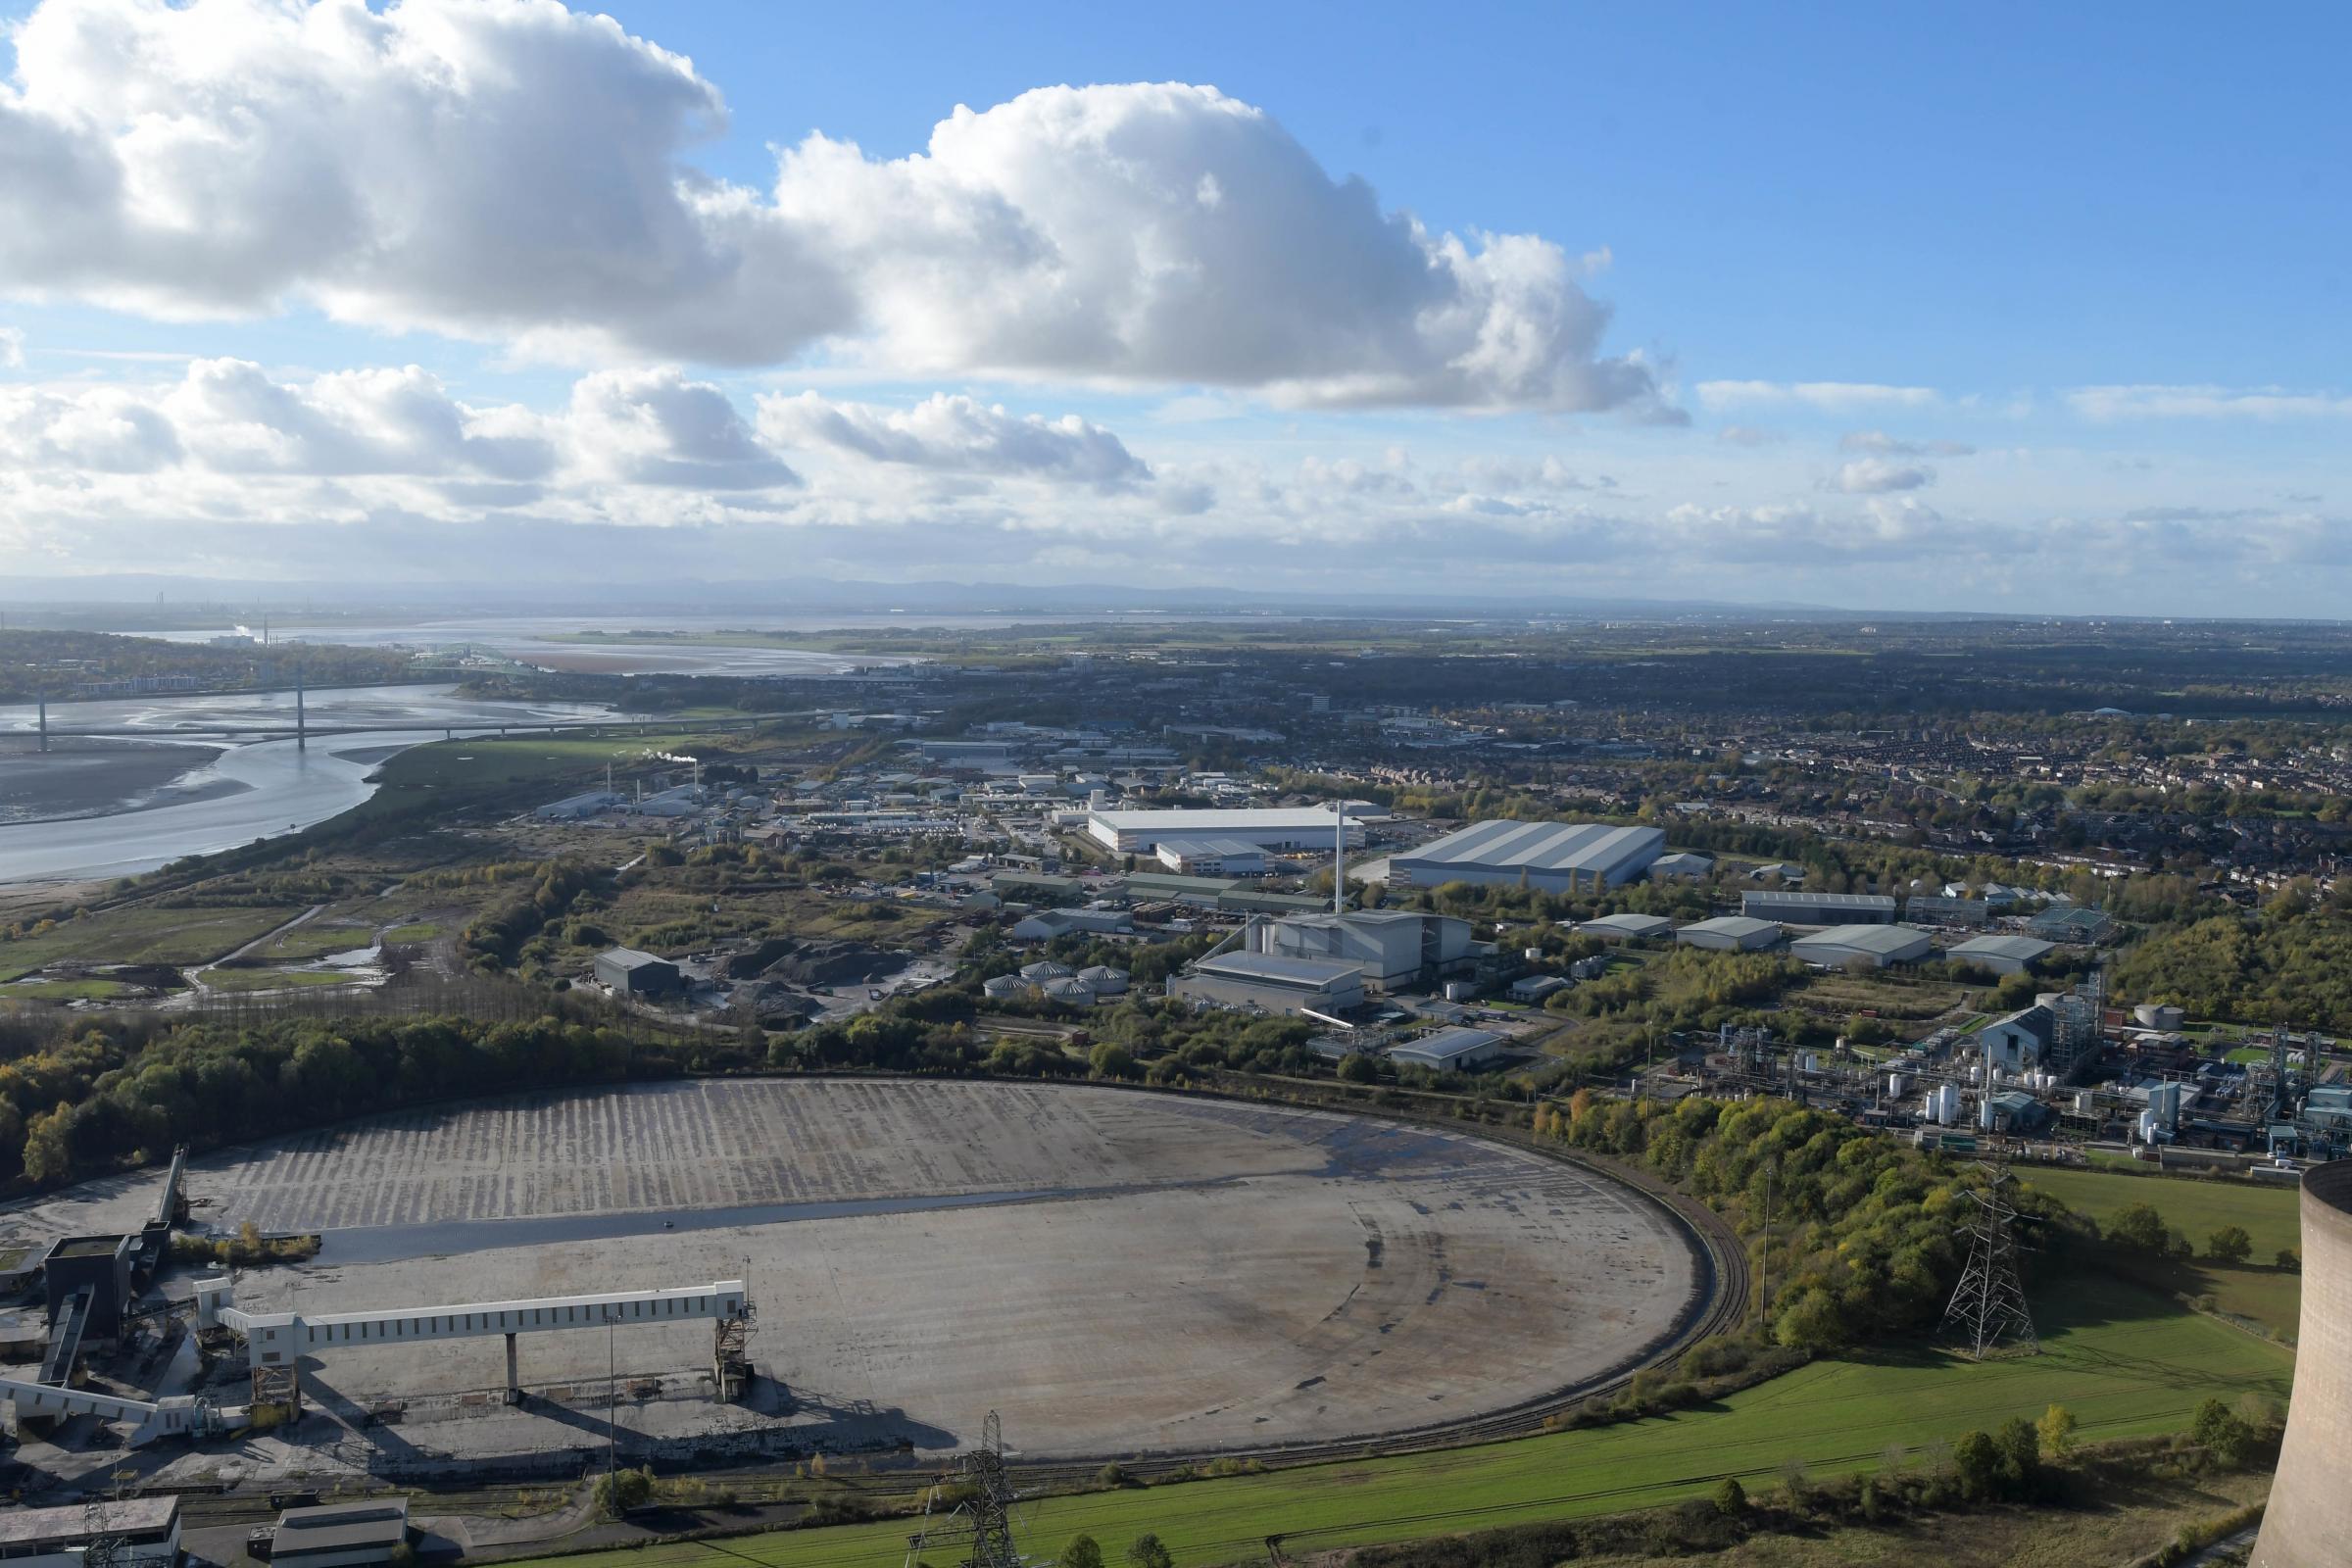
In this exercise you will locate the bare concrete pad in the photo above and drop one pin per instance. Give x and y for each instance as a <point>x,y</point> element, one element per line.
<point>1116,1272</point>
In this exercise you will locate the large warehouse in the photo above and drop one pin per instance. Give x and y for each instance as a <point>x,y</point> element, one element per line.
<point>1550,856</point>
<point>1730,933</point>
<point>1878,945</point>
<point>1795,907</point>
<point>2002,955</point>
<point>1284,827</point>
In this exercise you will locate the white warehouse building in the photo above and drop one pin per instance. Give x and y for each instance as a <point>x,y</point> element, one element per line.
<point>1279,828</point>
<point>1548,857</point>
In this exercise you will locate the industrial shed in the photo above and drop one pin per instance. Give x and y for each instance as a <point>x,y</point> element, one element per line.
<point>1448,1050</point>
<point>1880,945</point>
<point>1730,933</point>
<point>626,972</point>
<point>2002,955</point>
<point>1300,827</point>
<point>1686,864</point>
<point>1550,856</point>
<point>1218,857</point>
<point>1794,907</point>
<point>1272,983</point>
<point>1628,927</point>
<point>2079,924</point>
<point>1945,908</point>
<point>341,1534</point>
<point>143,1531</point>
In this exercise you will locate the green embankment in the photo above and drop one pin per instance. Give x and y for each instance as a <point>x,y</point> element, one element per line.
<point>142,936</point>
<point>2196,1207</point>
<point>2123,1359</point>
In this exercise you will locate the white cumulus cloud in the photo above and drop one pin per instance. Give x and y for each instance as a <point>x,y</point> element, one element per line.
<point>957,435</point>
<point>1873,477</point>
<point>516,171</point>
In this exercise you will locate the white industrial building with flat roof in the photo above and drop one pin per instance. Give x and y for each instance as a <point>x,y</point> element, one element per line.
<point>1219,856</point>
<point>2002,955</point>
<point>1795,907</point>
<point>1448,1050</point>
<point>1730,933</point>
<point>1550,856</point>
<point>1280,827</point>
<point>1879,945</point>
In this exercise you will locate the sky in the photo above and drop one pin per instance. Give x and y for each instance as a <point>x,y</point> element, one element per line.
<point>2014,309</point>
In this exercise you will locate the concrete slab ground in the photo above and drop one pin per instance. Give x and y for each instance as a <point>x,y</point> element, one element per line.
<point>1116,1272</point>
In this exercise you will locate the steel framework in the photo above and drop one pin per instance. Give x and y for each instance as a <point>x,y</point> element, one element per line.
<point>967,1519</point>
<point>1988,1311</point>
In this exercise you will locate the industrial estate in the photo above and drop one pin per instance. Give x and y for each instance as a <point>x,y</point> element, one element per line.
<point>864,1118</point>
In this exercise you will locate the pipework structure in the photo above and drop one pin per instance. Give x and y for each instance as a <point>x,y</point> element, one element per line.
<point>277,1342</point>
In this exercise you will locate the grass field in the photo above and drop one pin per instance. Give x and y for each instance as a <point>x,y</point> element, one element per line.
<point>2116,1528</point>
<point>2123,1359</point>
<point>316,939</point>
<point>142,936</point>
<point>62,991</point>
<point>1889,998</point>
<point>2196,1207</point>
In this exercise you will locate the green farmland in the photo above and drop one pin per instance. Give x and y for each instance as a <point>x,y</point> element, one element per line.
<point>2196,1207</point>
<point>2124,1361</point>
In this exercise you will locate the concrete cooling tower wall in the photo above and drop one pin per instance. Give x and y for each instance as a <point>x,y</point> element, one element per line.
<point>2309,1521</point>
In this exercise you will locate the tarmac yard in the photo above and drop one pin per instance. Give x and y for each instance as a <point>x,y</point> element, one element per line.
<point>1117,1272</point>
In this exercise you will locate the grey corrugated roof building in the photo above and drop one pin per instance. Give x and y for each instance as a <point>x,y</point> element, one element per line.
<point>1552,857</point>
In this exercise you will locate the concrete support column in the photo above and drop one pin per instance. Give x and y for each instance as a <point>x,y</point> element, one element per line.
<point>513,1379</point>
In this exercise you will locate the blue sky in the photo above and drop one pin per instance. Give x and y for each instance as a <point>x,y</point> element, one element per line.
<point>1900,307</point>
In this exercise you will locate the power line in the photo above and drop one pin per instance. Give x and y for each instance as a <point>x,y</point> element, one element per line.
<point>1988,1311</point>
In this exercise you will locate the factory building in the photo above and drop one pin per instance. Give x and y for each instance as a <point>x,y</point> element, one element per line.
<point>340,1535</point>
<point>1730,933</point>
<point>1548,857</point>
<point>1272,983</point>
<point>1795,907</point>
<point>2075,923</point>
<point>1280,828</point>
<point>1876,945</point>
<point>1534,988</point>
<point>1448,1050</point>
<point>1047,925</point>
<point>146,1529</point>
<point>1220,856</point>
<point>626,972</point>
<point>1628,927</point>
<point>1389,948</point>
<point>1945,908</point>
<point>2020,1040</point>
<point>1684,865</point>
<point>2006,954</point>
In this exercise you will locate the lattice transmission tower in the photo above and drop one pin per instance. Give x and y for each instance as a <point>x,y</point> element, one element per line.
<point>1988,1311</point>
<point>967,1514</point>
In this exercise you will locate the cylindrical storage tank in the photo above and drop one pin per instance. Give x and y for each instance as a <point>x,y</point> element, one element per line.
<point>1948,1104</point>
<point>2083,1104</point>
<point>1985,1113</point>
<point>2310,1515</point>
<point>2147,1127</point>
<point>1896,1084</point>
<point>1808,1063</point>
